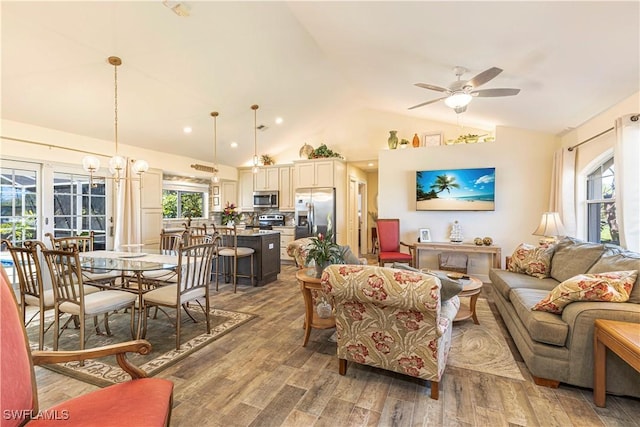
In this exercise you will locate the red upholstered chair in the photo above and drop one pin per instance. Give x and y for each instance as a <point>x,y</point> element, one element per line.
<point>389,241</point>
<point>141,401</point>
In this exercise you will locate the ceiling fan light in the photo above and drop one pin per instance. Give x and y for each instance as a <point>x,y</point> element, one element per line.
<point>457,100</point>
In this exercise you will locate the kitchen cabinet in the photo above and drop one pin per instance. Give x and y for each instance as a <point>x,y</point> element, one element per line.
<point>286,189</point>
<point>316,173</point>
<point>245,190</point>
<point>228,193</point>
<point>286,236</point>
<point>266,179</point>
<point>151,207</point>
<point>266,259</point>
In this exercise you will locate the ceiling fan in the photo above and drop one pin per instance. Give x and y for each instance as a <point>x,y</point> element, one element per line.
<point>461,92</point>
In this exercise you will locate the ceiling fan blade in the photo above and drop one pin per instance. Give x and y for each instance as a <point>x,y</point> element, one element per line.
<point>495,92</point>
<point>427,103</point>
<point>432,87</point>
<point>484,77</point>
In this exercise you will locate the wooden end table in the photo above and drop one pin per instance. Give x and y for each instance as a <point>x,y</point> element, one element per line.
<point>471,288</point>
<point>623,338</point>
<point>309,282</point>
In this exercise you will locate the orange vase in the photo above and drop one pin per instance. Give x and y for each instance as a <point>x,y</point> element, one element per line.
<point>416,140</point>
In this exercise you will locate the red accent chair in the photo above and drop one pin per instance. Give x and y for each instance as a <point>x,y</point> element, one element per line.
<point>141,401</point>
<point>390,244</point>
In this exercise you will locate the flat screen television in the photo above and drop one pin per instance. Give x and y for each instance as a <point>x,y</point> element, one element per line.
<point>456,189</point>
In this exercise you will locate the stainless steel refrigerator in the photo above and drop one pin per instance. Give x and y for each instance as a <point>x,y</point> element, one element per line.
<point>315,207</point>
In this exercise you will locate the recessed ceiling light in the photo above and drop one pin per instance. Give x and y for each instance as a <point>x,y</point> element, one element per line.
<point>187,129</point>
<point>279,120</point>
<point>370,164</point>
<point>234,145</point>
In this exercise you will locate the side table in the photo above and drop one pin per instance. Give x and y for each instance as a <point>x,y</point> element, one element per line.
<point>471,289</point>
<point>308,283</point>
<point>623,338</point>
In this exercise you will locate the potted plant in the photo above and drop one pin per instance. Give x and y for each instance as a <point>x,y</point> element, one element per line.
<point>267,160</point>
<point>323,251</point>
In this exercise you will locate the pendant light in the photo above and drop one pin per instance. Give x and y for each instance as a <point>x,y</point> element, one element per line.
<point>216,178</point>
<point>255,168</point>
<point>117,163</point>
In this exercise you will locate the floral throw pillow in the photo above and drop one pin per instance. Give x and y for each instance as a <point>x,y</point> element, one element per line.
<point>532,260</point>
<point>614,286</point>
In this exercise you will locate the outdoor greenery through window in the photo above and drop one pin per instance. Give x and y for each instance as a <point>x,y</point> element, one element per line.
<point>180,202</point>
<point>19,209</point>
<point>601,209</point>
<point>79,207</point>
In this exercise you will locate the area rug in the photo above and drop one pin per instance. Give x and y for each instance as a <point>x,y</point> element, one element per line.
<point>482,347</point>
<point>161,333</point>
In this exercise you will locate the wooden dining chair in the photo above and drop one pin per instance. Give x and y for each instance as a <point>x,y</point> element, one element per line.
<point>70,296</point>
<point>390,244</point>
<point>194,277</point>
<point>196,235</point>
<point>141,401</point>
<point>229,253</point>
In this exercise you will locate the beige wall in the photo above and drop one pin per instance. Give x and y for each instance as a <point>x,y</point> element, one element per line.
<point>523,163</point>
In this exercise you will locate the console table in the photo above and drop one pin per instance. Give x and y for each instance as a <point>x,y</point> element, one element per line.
<point>494,251</point>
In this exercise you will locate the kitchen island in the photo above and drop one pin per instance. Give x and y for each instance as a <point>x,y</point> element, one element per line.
<point>266,260</point>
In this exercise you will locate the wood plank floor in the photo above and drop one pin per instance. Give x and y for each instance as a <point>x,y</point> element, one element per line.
<point>260,375</point>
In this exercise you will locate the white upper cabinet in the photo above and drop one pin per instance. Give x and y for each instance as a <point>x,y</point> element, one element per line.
<point>315,173</point>
<point>286,189</point>
<point>266,179</point>
<point>245,190</point>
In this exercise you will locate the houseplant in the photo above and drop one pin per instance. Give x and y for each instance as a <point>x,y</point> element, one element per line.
<point>323,251</point>
<point>229,214</point>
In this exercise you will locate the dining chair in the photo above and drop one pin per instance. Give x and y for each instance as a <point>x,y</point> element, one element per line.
<point>194,277</point>
<point>229,253</point>
<point>84,243</point>
<point>70,296</point>
<point>196,235</point>
<point>170,244</point>
<point>140,401</point>
<point>27,264</point>
<point>390,244</point>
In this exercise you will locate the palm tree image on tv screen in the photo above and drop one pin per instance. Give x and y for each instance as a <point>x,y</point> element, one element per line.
<point>456,190</point>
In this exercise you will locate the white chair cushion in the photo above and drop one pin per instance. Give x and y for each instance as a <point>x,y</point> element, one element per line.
<point>101,302</point>
<point>242,251</point>
<point>49,298</point>
<point>167,295</point>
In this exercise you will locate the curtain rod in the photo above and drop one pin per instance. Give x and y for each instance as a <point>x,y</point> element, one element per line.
<point>634,118</point>
<point>43,144</point>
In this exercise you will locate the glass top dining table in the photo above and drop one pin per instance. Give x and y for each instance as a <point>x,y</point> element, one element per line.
<point>133,265</point>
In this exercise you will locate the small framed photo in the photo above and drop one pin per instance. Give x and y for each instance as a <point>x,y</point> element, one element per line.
<point>216,190</point>
<point>432,139</point>
<point>216,201</point>
<point>425,235</point>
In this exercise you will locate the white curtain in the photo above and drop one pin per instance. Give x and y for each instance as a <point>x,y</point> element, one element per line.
<point>128,227</point>
<point>562,198</point>
<point>627,180</point>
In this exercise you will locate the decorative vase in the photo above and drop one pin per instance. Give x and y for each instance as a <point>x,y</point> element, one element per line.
<point>488,241</point>
<point>478,241</point>
<point>230,223</point>
<point>416,140</point>
<point>324,309</point>
<point>393,140</point>
<point>319,269</point>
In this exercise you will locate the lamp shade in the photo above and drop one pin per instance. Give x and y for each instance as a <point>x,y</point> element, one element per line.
<point>550,225</point>
<point>140,166</point>
<point>90,164</point>
<point>458,99</point>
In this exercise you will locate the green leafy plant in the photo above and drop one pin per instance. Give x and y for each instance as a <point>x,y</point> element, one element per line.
<point>267,160</point>
<point>230,214</point>
<point>323,251</point>
<point>323,152</point>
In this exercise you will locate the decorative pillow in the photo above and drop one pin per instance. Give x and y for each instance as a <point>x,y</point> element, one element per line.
<point>532,260</point>
<point>614,286</point>
<point>448,289</point>
<point>348,255</point>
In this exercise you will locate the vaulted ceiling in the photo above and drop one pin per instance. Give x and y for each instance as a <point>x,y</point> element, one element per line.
<point>309,63</point>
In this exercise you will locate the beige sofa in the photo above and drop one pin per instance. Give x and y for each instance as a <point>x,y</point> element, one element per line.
<point>559,347</point>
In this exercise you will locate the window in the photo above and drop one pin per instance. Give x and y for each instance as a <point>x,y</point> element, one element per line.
<point>79,207</point>
<point>18,204</point>
<point>182,201</point>
<point>601,209</point>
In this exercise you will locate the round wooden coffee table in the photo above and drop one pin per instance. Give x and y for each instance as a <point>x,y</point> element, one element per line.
<point>471,288</point>
<point>308,283</point>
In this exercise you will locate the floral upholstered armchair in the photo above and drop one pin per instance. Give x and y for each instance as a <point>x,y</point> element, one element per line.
<point>391,319</point>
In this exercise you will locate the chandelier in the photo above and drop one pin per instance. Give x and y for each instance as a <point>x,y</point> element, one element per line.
<point>117,163</point>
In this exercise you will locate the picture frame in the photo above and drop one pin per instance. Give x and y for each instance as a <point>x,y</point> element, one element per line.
<point>216,201</point>
<point>425,235</point>
<point>216,190</point>
<point>431,139</point>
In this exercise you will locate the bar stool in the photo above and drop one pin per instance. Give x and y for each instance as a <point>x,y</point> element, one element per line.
<point>230,252</point>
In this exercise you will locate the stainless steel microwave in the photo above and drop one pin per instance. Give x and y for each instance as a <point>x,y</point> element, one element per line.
<point>265,199</point>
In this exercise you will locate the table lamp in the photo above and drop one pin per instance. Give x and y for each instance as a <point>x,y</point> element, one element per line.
<point>550,228</point>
